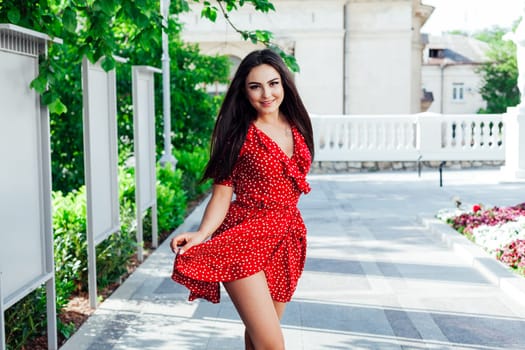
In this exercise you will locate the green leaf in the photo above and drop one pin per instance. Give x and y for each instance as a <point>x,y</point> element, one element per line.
<point>180,6</point>
<point>57,107</point>
<point>290,60</point>
<point>209,13</point>
<point>13,15</point>
<point>107,6</point>
<point>141,20</point>
<point>48,97</point>
<point>253,37</point>
<point>263,36</point>
<point>245,35</point>
<point>39,84</point>
<point>141,3</point>
<point>231,6</point>
<point>69,20</point>
<point>108,63</point>
<point>263,5</point>
<point>79,3</point>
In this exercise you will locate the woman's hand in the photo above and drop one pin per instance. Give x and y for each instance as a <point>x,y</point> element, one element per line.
<point>184,241</point>
<point>214,215</point>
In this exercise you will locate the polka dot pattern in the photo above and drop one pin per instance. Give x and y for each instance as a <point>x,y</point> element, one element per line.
<point>263,229</point>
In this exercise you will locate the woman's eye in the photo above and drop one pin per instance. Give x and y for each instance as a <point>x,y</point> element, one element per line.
<point>253,87</point>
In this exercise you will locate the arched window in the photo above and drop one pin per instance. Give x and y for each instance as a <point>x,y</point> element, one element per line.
<point>216,88</point>
<point>234,64</point>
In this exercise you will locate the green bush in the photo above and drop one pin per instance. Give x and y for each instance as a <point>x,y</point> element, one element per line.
<point>27,318</point>
<point>70,244</point>
<point>192,165</point>
<point>172,199</point>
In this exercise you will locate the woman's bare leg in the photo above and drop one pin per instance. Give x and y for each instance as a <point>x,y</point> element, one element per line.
<point>248,345</point>
<point>257,310</point>
<point>279,308</point>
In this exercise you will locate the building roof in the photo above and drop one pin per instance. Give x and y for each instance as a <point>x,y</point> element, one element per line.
<point>455,48</point>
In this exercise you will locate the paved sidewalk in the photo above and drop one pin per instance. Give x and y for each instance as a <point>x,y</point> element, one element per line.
<point>380,274</point>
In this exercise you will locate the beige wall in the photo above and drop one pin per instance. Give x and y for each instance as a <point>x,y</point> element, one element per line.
<point>313,29</point>
<point>356,56</point>
<point>453,75</point>
<point>379,57</point>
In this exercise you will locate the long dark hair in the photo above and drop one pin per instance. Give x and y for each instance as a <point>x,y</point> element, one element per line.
<point>236,114</point>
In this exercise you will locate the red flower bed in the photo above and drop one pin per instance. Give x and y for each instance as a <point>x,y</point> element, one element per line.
<point>466,222</point>
<point>514,255</point>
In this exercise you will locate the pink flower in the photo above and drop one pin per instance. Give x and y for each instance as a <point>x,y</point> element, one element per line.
<point>513,254</point>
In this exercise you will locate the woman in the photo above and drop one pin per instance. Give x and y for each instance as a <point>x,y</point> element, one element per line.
<point>261,151</point>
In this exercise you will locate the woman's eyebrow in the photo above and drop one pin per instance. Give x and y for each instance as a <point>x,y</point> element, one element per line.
<point>269,81</point>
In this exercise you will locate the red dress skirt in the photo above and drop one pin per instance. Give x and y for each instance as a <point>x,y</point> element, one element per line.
<point>263,229</point>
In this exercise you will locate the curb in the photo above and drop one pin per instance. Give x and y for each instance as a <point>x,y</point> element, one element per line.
<point>495,271</point>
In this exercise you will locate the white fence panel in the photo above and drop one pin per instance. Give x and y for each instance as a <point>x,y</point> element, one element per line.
<point>365,138</point>
<point>26,235</point>
<point>101,160</point>
<point>410,137</point>
<point>462,137</point>
<point>144,148</point>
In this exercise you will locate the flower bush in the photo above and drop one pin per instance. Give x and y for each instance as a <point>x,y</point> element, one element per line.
<point>499,230</point>
<point>468,221</point>
<point>513,254</point>
<point>495,237</point>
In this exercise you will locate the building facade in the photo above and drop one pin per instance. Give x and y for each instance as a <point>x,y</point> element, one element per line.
<point>450,64</point>
<point>356,56</point>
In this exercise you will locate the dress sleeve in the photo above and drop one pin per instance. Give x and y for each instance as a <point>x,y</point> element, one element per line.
<point>226,182</point>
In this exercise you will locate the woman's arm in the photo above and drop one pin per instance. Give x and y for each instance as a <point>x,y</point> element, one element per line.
<point>211,220</point>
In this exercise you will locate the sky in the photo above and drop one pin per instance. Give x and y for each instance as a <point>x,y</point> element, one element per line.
<point>471,15</point>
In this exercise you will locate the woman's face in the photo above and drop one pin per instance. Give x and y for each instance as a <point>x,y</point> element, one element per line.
<point>264,89</point>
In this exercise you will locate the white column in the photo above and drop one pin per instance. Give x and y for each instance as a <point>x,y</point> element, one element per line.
<point>514,119</point>
<point>514,168</point>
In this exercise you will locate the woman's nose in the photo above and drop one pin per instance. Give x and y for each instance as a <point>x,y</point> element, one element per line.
<point>267,92</point>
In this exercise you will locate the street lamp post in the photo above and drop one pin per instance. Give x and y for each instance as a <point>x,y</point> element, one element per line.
<point>167,157</point>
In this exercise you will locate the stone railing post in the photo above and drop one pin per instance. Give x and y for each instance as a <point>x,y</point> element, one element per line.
<point>429,137</point>
<point>514,168</point>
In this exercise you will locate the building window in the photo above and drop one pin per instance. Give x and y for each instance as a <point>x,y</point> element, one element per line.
<point>234,64</point>
<point>217,88</point>
<point>436,53</point>
<point>458,92</point>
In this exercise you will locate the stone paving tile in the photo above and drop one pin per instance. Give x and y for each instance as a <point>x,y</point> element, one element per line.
<point>375,278</point>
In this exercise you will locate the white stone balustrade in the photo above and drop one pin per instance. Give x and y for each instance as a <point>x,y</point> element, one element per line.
<point>411,137</point>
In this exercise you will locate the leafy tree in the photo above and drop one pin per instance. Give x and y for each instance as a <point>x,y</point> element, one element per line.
<point>499,73</point>
<point>101,29</point>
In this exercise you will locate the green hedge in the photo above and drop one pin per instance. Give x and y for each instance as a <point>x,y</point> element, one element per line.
<point>27,318</point>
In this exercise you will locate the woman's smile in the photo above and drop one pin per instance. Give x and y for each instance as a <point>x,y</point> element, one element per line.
<point>264,89</point>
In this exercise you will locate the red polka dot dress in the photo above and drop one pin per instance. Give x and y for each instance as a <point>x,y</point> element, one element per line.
<point>263,229</point>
